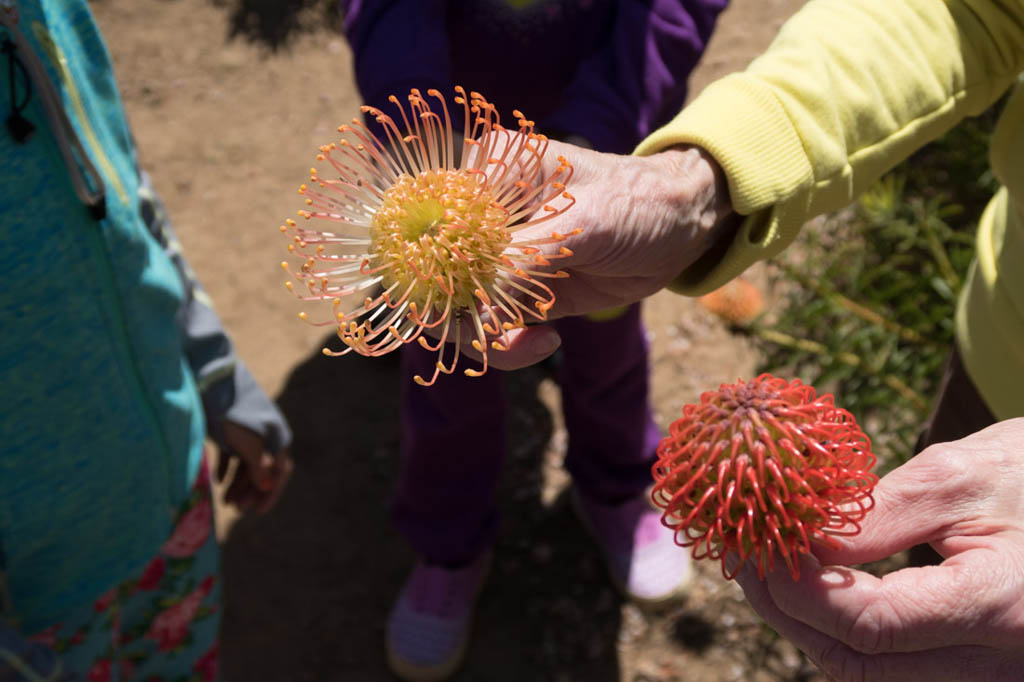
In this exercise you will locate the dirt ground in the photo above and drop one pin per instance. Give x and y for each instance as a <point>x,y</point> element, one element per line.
<point>229,100</point>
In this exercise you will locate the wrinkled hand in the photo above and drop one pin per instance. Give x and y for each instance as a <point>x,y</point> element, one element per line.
<point>257,477</point>
<point>643,220</point>
<point>962,620</point>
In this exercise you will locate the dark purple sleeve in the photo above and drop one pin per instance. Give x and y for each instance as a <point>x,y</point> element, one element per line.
<point>637,82</point>
<point>397,45</point>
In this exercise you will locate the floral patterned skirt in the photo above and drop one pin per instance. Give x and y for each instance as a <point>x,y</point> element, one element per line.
<point>160,626</point>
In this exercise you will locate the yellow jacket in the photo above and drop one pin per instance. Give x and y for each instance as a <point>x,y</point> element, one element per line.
<point>849,89</point>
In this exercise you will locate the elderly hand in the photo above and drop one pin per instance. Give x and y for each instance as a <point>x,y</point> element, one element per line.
<point>962,620</point>
<point>643,220</point>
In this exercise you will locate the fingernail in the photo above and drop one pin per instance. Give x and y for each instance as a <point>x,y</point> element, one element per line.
<point>265,479</point>
<point>732,562</point>
<point>545,343</point>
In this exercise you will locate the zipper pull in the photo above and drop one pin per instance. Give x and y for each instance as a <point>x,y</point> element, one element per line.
<point>92,194</point>
<point>20,127</point>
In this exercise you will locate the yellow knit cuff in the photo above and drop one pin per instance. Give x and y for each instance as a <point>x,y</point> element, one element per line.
<point>744,127</point>
<point>739,121</point>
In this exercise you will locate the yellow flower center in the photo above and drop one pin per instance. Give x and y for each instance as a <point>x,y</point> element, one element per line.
<point>424,217</point>
<point>440,234</point>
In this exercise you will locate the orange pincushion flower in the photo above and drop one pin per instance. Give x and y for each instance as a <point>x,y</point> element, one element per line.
<point>738,301</point>
<point>410,235</point>
<point>761,466</point>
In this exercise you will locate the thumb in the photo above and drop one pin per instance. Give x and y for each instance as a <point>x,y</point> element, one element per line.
<point>527,346</point>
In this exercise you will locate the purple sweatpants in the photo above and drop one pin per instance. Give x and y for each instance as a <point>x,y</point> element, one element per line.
<point>453,435</point>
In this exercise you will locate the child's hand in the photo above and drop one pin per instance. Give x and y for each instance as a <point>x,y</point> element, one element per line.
<point>258,477</point>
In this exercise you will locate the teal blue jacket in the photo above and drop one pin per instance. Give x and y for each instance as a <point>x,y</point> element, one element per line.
<point>105,338</point>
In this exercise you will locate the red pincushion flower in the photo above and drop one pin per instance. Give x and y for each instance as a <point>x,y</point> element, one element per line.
<point>763,465</point>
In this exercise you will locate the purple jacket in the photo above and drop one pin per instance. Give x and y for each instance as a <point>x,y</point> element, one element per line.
<point>609,70</point>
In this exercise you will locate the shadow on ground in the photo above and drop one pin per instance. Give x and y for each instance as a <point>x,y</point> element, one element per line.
<point>273,23</point>
<point>308,587</point>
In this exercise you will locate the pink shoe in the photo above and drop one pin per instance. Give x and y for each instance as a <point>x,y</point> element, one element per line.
<point>642,557</point>
<point>429,625</point>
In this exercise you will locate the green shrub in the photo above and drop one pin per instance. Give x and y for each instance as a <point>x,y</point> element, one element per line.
<point>868,298</point>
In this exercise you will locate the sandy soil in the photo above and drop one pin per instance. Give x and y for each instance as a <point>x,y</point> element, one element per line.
<point>229,100</point>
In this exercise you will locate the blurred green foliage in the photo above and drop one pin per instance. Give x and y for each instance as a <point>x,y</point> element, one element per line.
<point>868,298</point>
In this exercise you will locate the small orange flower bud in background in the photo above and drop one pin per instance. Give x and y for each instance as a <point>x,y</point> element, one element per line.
<point>760,468</point>
<point>738,302</point>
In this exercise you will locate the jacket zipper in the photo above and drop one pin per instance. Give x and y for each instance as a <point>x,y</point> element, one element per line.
<point>85,179</point>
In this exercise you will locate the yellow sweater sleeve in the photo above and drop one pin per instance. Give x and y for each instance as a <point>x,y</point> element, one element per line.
<point>848,89</point>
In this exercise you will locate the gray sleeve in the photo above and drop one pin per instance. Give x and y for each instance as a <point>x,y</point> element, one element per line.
<point>228,389</point>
